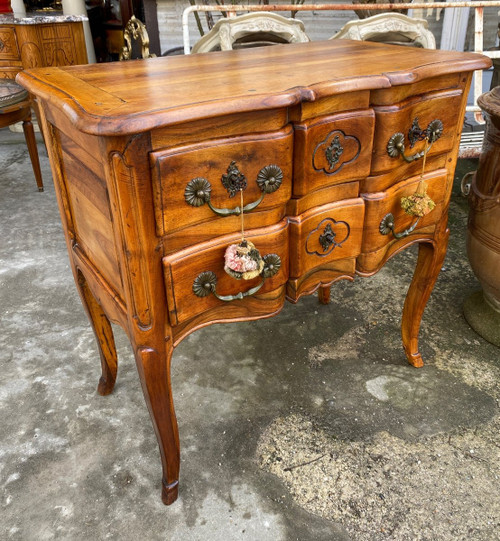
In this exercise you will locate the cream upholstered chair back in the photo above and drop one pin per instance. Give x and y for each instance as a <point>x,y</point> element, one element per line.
<point>389,28</point>
<point>251,30</point>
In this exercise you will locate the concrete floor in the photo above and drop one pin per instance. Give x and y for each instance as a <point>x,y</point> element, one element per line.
<point>75,465</point>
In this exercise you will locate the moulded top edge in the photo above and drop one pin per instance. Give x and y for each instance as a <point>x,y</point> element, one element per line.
<point>135,96</point>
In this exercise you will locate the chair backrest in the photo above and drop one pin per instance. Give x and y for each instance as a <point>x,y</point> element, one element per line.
<point>251,30</point>
<point>389,28</point>
<point>136,40</point>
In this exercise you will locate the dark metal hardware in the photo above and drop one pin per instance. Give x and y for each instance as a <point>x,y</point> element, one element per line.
<point>387,226</point>
<point>206,282</point>
<point>234,180</point>
<point>396,144</point>
<point>333,235</point>
<point>198,190</point>
<point>334,151</point>
<point>416,133</point>
<point>327,238</point>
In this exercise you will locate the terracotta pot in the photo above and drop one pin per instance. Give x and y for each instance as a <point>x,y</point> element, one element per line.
<point>482,310</point>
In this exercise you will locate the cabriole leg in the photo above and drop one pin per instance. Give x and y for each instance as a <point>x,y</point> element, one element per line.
<point>324,294</point>
<point>104,336</point>
<point>154,370</point>
<point>429,263</point>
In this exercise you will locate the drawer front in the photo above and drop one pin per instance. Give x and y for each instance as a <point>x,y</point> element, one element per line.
<point>8,44</point>
<point>411,119</point>
<point>396,94</point>
<point>378,205</point>
<point>182,269</point>
<point>332,149</point>
<point>326,234</point>
<point>185,177</point>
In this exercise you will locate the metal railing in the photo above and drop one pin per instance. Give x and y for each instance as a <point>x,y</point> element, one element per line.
<point>478,25</point>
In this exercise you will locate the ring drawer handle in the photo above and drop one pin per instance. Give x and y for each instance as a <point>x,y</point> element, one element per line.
<point>198,190</point>
<point>396,144</point>
<point>387,225</point>
<point>206,282</point>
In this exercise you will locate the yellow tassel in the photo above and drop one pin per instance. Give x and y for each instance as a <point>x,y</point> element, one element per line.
<point>419,204</point>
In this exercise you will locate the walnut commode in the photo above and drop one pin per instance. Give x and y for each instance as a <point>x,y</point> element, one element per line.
<point>326,138</point>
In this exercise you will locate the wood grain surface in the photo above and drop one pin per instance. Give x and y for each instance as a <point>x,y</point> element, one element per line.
<point>136,96</point>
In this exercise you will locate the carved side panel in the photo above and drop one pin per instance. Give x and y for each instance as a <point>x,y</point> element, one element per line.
<point>88,201</point>
<point>136,272</point>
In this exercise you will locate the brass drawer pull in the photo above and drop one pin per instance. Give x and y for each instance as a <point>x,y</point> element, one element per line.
<point>206,282</point>
<point>387,225</point>
<point>198,190</point>
<point>396,144</point>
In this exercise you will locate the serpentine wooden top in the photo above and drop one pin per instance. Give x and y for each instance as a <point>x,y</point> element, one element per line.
<point>135,96</point>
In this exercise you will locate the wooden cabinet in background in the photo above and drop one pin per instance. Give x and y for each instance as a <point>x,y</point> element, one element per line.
<point>34,45</point>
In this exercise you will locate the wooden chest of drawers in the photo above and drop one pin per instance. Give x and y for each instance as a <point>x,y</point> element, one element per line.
<point>150,157</point>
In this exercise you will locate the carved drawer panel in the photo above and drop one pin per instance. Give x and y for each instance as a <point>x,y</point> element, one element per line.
<point>194,275</point>
<point>325,234</point>
<point>332,149</point>
<point>379,205</point>
<point>9,49</point>
<point>200,184</point>
<point>401,130</point>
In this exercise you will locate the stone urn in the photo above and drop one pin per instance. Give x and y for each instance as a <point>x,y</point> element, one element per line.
<point>482,309</point>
